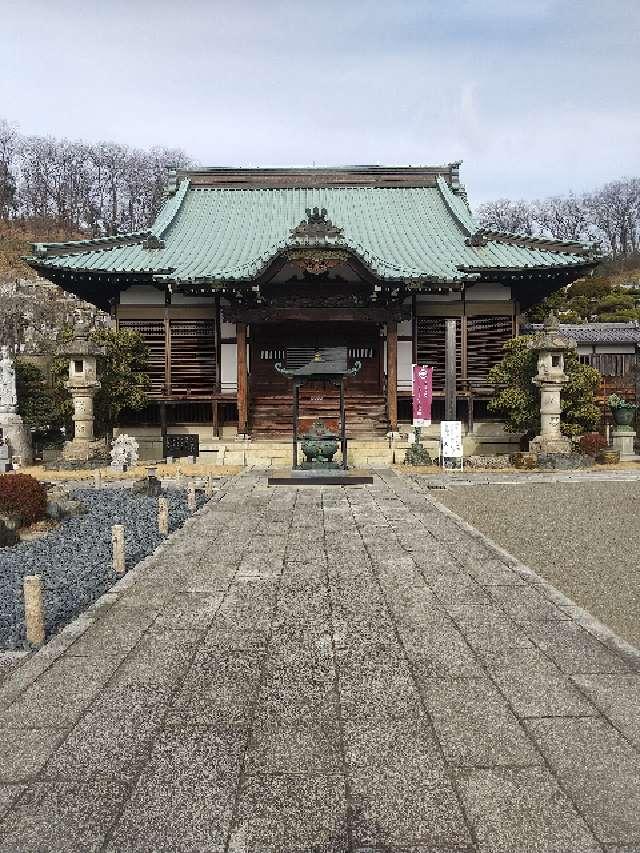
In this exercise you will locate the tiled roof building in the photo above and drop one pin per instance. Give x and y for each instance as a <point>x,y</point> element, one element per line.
<point>243,266</point>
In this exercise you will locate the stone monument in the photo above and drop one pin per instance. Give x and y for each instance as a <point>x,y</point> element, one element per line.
<point>551,348</point>
<point>83,384</point>
<point>12,427</point>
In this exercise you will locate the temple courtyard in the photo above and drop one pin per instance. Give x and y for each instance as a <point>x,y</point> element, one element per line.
<point>343,669</point>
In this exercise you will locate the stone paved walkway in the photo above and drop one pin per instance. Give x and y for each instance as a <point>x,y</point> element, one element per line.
<point>323,670</point>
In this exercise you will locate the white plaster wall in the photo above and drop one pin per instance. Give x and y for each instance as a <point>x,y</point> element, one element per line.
<point>439,297</point>
<point>142,294</point>
<point>487,292</point>
<point>405,327</point>
<point>182,299</point>
<point>227,330</point>
<point>612,350</point>
<point>405,359</point>
<point>228,367</point>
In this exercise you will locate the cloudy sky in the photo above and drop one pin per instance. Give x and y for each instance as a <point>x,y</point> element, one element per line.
<point>537,97</point>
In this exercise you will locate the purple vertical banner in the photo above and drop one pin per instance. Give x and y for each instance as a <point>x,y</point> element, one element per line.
<point>422,381</point>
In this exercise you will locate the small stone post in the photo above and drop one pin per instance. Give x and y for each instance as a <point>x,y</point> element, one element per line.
<point>551,348</point>
<point>97,479</point>
<point>117,541</point>
<point>178,478</point>
<point>33,609</point>
<point>191,496</point>
<point>208,489</point>
<point>163,517</point>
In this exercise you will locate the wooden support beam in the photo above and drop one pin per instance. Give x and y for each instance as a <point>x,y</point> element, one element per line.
<point>242,381</point>
<point>392,374</point>
<point>450,371</point>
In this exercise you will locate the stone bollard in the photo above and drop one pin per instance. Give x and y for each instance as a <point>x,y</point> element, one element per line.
<point>33,609</point>
<point>163,517</point>
<point>178,478</point>
<point>208,489</point>
<point>97,479</point>
<point>191,497</point>
<point>117,540</point>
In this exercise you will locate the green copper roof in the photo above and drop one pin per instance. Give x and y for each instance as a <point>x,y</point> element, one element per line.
<point>399,233</point>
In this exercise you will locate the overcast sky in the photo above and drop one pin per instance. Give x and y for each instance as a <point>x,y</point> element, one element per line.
<point>538,97</point>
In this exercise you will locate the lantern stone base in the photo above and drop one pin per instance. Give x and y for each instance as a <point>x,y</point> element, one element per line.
<point>623,439</point>
<point>550,444</point>
<point>14,430</point>
<point>84,450</point>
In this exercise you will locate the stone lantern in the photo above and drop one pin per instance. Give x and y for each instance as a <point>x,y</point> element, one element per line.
<point>83,384</point>
<point>551,349</point>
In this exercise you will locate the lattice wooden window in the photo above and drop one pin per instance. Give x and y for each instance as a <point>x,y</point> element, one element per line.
<point>153,333</point>
<point>430,346</point>
<point>611,364</point>
<point>486,336</point>
<point>193,357</point>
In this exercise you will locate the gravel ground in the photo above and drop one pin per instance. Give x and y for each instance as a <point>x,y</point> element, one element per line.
<point>582,537</point>
<point>75,559</point>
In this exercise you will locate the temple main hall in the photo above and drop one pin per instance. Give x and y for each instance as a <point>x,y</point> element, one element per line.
<point>246,269</point>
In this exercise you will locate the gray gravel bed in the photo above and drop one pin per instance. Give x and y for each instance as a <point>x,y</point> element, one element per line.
<point>582,537</point>
<point>75,559</point>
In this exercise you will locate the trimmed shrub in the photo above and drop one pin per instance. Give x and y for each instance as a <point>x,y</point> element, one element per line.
<point>23,497</point>
<point>592,443</point>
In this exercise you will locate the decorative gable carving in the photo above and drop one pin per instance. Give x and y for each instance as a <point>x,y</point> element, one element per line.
<point>316,228</point>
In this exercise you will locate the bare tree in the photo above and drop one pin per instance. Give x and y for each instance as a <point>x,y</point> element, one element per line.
<point>104,188</point>
<point>9,144</point>
<point>505,215</point>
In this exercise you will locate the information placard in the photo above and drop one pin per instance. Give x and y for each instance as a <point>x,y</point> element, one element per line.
<point>451,441</point>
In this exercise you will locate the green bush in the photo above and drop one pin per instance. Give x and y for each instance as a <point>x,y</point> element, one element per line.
<point>23,497</point>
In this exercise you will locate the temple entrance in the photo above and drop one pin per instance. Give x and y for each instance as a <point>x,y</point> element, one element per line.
<point>293,343</point>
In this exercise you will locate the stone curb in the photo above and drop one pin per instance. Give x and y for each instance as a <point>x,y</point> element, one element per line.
<point>36,662</point>
<point>597,629</point>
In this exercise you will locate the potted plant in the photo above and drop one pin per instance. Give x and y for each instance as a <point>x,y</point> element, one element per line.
<point>623,412</point>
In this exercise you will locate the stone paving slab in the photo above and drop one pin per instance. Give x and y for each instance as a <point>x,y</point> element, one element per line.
<point>324,670</point>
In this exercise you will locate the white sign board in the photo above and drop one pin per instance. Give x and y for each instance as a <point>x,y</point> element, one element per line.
<point>451,440</point>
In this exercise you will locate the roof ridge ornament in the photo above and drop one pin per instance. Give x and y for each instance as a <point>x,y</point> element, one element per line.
<point>316,227</point>
<point>153,242</point>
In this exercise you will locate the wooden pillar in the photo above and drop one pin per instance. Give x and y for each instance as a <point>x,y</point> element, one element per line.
<point>242,390</point>
<point>450,371</point>
<point>392,374</point>
<point>294,426</point>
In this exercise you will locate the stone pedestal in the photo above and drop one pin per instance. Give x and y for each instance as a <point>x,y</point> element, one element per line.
<point>12,427</point>
<point>622,439</point>
<point>18,437</point>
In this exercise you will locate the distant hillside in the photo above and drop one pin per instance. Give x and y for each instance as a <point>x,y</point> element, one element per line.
<point>32,310</point>
<point>15,242</point>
